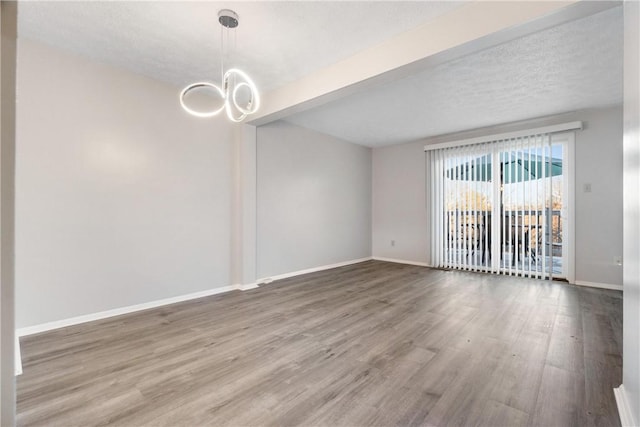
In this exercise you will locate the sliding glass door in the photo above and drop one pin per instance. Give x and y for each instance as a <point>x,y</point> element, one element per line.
<point>503,206</point>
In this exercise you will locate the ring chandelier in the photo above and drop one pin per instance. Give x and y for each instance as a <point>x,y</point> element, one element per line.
<point>233,81</point>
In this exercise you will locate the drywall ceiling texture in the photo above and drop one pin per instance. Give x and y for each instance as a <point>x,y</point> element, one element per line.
<point>179,42</point>
<point>569,67</point>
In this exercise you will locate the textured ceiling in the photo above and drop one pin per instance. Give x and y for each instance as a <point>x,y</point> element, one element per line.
<point>179,42</point>
<point>570,67</point>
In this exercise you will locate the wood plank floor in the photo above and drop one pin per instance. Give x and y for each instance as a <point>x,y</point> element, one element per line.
<point>370,344</point>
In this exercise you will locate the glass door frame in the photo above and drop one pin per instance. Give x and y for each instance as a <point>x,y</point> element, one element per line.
<point>563,133</point>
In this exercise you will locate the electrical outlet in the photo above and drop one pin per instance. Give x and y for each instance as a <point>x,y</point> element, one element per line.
<point>393,243</point>
<point>617,260</point>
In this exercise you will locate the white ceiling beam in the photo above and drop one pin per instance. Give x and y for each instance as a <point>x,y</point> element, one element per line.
<point>470,28</point>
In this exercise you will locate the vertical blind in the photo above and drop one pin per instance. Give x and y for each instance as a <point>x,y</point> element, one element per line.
<point>495,206</point>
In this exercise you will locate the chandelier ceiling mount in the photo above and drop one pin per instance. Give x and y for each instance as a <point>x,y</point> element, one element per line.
<point>228,18</point>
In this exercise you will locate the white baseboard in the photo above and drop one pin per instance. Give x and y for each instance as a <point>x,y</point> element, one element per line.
<point>18,358</point>
<point>624,410</point>
<point>401,261</point>
<point>577,282</point>
<point>44,327</point>
<point>598,285</point>
<point>246,287</point>
<point>311,270</point>
<point>36,329</point>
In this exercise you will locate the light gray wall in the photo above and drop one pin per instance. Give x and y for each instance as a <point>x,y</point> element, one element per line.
<point>399,203</point>
<point>313,200</point>
<point>248,211</point>
<point>122,198</point>
<point>631,303</point>
<point>8,26</point>
<point>599,213</point>
<point>399,195</point>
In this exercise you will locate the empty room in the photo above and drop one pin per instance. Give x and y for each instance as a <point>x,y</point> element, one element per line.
<point>320,213</point>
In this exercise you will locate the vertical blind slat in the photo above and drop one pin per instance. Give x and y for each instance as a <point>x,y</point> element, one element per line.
<point>529,259</point>
<point>517,211</point>
<point>507,198</point>
<point>474,213</point>
<point>545,218</point>
<point>550,227</point>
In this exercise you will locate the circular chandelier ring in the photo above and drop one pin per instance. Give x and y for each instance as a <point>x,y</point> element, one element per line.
<point>232,82</point>
<point>230,114</point>
<point>243,110</point>
<point>254,102</point>
<point>198,85</point>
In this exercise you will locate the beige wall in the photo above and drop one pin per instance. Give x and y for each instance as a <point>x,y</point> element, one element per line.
<point>399,195</point>
<point>122,198</point>
<point>8,26</point>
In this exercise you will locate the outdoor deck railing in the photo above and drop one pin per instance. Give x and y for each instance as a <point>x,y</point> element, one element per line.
<point>469,228</point>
